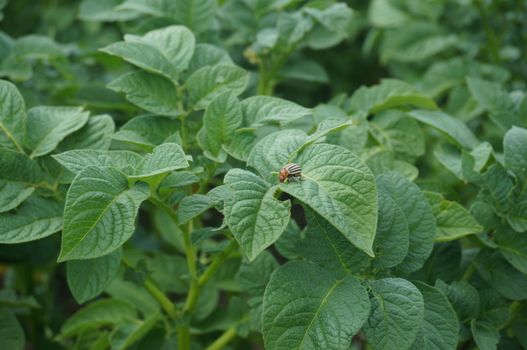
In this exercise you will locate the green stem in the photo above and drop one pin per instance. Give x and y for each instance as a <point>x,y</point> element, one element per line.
<point>217,261</point>
<point>223,340</point>
<point>161,298</point>
<point>183,337</point>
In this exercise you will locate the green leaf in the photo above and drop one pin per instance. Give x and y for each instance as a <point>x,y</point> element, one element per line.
<point>96,134</point>
<point>454,129</point>
<point>98,314</point>
<point>386,13</point>
<point>208,55</point>
<point>463,297</point>
<point>396,315</point>
<point>305,70</point>
<point>259,110</point>
<point>192,206</point>
<point>148,91</point>
<point>255,216</point>
<point>15,166</point>
<point>166,51</point>
<point>399,133</point>
<point>440,327</point>
<point>76,160</point>
<point>242,143</point>
<point>104,11</point>
<point>392,237</point>
<point>515,149</point>
<point>47,126</point>
<point>36,218</point>
<point>100,213</point>
<point>12,117</point>
<point>494,99</point>
<point>254,276</point>
<point>513,246</point>
<point>338,186</point>
<point>12,194</point>
<point>127,334</point>
<point>195,14</point>
<point>89,278</point>
<point>504,278</point>
<point>147,131</point>
<point>274,151</point>
<point>332,310</point>
<point>165,158</point>
<point>11,333</point>
<point>389,94</point>
<point>419,217</point>
<point>222,117</point>
<point>327,247</point>
<point>209,82</point>
<point>452,219</point>
<point>485,335</point>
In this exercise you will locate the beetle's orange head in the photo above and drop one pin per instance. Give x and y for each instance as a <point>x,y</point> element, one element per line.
<point>283,174</point>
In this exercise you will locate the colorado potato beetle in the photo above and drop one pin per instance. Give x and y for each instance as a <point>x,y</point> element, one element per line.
<point>290,171</point>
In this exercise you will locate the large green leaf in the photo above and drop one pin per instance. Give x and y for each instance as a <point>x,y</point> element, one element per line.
<point>98,314</point>
<point>440,327</point>
<point>192,206</point>
<point>515,149</point>
<point>151,92</point>
<point>399,133</point>
<point>15,166</point>
<point>47,126</point>
<point>208,55</point>
<point>166,157</point>
<point>36,218</point>
<point>389,94</point>
<point>419,217</point>
<point>76,160</point>
<point>259,110</point>
<point>105,11</point>
<point>209,82</point>
<point>463,297</point>
<point>12,117</point>
<point>494,99</point>
<point>392,237</point>
<point>147,131</point>
<point>89,278</point>
<point>254,276</point>
<point>513,246</point>
<point>327,247</point>
<point>100,213</point>
<point>454,128</point>
<point>339,187</point>
<point>396,315</point>
<point>11,333</point>
<point>255,216</point>
<point>166,51</point>
<point>485,335</point>
<point>222,117</point>
<point>274,151</point>
<point>12,194</point>
<point>331,311</point>
<point>452,219</point>
<point>96,134</point>
<point>195,14</point>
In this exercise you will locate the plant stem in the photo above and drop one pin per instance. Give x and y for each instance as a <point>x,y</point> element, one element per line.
<point>223,340</point>
<point>161,298</point>
<point>217,261</point>
<point>183,337</point>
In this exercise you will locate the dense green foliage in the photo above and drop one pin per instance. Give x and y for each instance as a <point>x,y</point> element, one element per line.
<point>140,147</point>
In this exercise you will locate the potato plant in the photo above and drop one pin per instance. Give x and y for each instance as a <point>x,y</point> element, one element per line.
<point>272,174</point>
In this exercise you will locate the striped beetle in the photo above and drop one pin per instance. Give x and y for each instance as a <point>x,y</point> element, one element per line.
<point>290,171</point>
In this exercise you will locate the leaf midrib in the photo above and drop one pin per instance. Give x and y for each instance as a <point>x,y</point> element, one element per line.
<point>324,300</point>
<point>99,218</point>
